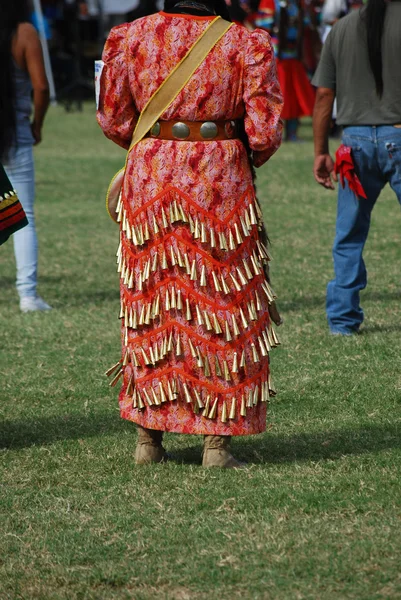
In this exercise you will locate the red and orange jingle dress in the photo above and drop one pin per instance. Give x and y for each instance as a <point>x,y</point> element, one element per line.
<point>196,330</point>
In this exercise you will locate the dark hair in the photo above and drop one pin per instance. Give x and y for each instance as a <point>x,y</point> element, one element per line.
<point>12,13</point>
<point>219,6</point>
<point>374,14</point>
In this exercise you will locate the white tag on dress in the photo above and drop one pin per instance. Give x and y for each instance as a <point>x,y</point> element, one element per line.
<point>99,64</point>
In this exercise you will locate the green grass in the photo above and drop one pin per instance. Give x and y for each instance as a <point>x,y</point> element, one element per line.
<point>316,515</point>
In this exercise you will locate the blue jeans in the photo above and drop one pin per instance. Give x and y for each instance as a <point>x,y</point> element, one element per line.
<point>20,170</point>
<point>377,157</point>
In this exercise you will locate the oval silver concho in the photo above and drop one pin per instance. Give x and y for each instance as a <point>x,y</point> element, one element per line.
<point>155,131</point>
<point>180,131</point>
<point>209,130</point>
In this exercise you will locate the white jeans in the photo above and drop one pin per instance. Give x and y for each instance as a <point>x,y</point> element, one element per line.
<point>20,170</point>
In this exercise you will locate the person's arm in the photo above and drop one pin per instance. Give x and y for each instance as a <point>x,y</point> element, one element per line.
<point>36,68</point>
<point>262,98</point>
<point>323,168</point>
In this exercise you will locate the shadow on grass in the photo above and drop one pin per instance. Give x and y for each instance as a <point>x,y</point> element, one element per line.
<point>303,302</point>
<point>269,448</point>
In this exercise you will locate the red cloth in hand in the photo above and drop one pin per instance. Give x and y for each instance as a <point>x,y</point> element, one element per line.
<point>345,168</point>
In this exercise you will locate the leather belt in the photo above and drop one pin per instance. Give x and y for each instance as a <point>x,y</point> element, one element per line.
<point>194,131</point>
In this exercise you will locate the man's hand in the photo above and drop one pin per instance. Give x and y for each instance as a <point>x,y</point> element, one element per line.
<point>37,133</point>
<point>323,171</point>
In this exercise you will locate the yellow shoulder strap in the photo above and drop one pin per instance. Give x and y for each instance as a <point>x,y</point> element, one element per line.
<point>178,78</point>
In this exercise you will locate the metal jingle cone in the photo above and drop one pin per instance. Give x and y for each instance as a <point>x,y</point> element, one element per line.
<point>163,396</point>
<point>121,316</point>
<point>253,311</point>
<point>177,214</point>
<point>242,363</point>
<point>147,316</point>
<point>207,321</point>
<point>140,283</point>
<point>252,215</point>
<point>140,235</point>
<point>146,234</point>
<point>134,235</point>
<point>243,407</point>
<point>218,330</point>
<point>187,265</point>
<point>244,227</point>
<point>134,359</point>
<point>146,360</point>
<point>192,348</point>
<point>173,303</point>
<point>191,224</point>
<point>187,394</point>
<point>235,363</point>
<point>126,358</point>
<point>255,354</point>
<point>206,370</point>
<point>275,337</point>
<point>171,214</point>
<point>247,220</point>
<point>197,232</point>
<point>212,238</point>
<point>255,266</point>
<point>178,349</point>
<point>216,282</point>
<point>188,313</point>
<point>258,302</point>
<point>179,257</point>
<point>131,281</point>
<point>199,402</point>
<point>155,397</point>
<point>142,316</point>
<point>199,359</point>
<point>228,333</point>
<point>110,371</point>
<point>213,411</point>
<point>250,313</point>
<point>134,320</point>
<point>217,366</point>
<point>249,402</point>
<point>227,374</point>
<point>164,219</point>
<point>184,217</point>
<point>126,320</point>
<point>207,406</point>
<point>235,326</point>
<point>237,286</point>
<point>152,356</point>
<point>147,397</point>
<point>237,234</point>
<point>199,316</point>
<point>272,389</point>
<point>256,396</point>
<point>157,306</point>
<point>266,341</point>
<point>156,227</point>
<point>179,300</point>
<point>231,242</point>
<point>241,276</point>
<point>194,275</point>
<point>141,405</point>
<point>167,300</point>
<point>170,342</point>
<point>173,258</point>
<point>134,399</point>
<point>262,347</point>
<point>203,282</point>
<point>243,319</point>
<point>171,395</point>
<point>164,263</point>
<point>203,234</point>
<point>223,241</point>
<point>224,418</point>
<point>233,409</point>
<point>154,262</point>
<point>248,271</point>
<point>224,285</point>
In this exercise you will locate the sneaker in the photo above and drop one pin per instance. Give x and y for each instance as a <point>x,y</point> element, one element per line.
<point>33,303</point>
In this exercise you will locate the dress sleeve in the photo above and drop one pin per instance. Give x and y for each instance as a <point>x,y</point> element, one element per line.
<point>117,114</point>
<point>262,97</point>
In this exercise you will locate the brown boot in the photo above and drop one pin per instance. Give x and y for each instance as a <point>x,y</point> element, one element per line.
<point>149,447</point>
<point>216,453</point>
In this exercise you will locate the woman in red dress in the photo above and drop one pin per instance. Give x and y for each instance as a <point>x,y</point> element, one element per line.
<point>196,330</point>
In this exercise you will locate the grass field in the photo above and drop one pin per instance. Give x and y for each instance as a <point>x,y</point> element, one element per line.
<point>316,515</point>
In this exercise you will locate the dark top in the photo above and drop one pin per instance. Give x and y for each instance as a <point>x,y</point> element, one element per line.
<point>344,67</point>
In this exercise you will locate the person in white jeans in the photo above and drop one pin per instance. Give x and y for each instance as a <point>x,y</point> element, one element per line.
<point>22,73</point>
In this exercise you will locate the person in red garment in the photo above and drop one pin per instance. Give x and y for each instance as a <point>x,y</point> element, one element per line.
<point>196,328</point>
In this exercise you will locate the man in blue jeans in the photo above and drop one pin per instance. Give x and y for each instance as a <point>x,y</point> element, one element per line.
<point>360,67</point>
